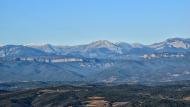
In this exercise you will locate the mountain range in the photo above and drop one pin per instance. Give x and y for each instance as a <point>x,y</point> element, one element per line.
<point>99,61</point>
<point>98,49</point>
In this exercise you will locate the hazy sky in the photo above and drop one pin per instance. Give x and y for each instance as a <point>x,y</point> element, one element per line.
<point>70,22</point>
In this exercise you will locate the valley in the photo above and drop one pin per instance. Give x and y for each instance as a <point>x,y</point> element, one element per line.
<point>100,95</point>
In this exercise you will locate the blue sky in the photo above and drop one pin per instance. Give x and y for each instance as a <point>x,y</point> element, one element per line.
<point>71,22</point>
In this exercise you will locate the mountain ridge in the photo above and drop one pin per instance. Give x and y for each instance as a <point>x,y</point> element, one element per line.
<point>106,49</point>
<point>101,61</point>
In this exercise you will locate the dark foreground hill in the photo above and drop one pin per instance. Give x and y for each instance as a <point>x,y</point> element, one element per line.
<point>176,95</point>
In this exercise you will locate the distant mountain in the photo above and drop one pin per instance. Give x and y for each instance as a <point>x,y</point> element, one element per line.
<point>172,45</point>
<point>32,71</point>
<point>144,71</point>
<point>104,44</point>
<point>48,48</point>
<point>99,61</point>
<point>19,50</point>
<point>125,47</point>
<point>99,49</point>
<point>98,70</point>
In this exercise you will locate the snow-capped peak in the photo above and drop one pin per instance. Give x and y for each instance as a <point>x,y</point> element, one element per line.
<point>179,43</point>
<point>104,44</point>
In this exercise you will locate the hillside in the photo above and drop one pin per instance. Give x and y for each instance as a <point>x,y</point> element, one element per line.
<point>176,95</point>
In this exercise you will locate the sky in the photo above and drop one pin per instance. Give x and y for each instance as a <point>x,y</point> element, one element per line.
<point>72,22</point>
